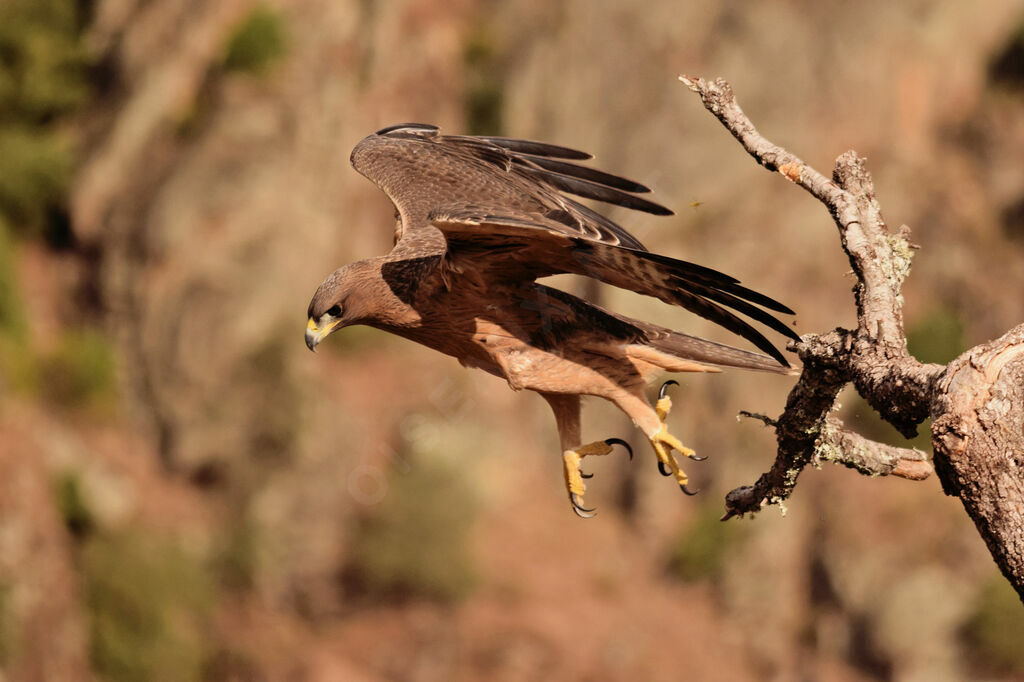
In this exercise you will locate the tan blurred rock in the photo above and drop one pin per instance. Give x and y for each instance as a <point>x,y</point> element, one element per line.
<point>42,629</point>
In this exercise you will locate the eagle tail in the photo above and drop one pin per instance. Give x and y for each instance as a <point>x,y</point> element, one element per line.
<point>678,352</point>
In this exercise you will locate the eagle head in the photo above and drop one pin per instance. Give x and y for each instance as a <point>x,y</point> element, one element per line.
<point>330,309</point>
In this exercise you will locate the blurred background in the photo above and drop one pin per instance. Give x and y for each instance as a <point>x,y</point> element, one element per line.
<point>186,493</point>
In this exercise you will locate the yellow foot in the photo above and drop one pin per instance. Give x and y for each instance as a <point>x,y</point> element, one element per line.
<point>664,443</point>
<point>571,460</point>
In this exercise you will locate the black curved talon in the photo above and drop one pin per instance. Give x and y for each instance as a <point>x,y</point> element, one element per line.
<point>583,475</point>
<point>695,458</point>
<point>619,441</point>
<point>664,388</point>
<point>663,469</point>
<point>682,486</point>
<point>583,515</point>
<point>577,506</point>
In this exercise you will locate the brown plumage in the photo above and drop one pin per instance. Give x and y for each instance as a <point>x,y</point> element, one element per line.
<point>479,220</point>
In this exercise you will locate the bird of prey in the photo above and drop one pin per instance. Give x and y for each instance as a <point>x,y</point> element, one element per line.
<point>478,221</point>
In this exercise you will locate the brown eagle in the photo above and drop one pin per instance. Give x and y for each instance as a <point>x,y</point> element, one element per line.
<point>479,219</point>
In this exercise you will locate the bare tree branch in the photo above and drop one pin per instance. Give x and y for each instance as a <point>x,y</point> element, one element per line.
<point>976,402</point>
<point>842,446</point>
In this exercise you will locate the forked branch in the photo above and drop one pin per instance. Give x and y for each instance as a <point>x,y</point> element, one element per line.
<point>976,402</point>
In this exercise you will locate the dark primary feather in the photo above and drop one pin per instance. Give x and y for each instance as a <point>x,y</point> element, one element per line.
<point>536,148</point>
<point>715,313</point>
<point>567,177</point>
<point>586,173</point>
<point>595,190</point>
<point>720,295</point>
<point>545,251</point>
<point>698,274</point>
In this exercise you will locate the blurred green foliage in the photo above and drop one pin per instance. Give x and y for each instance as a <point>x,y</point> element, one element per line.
<point>8,634</point>
<point>18,368</point>
<point>274,409</point>
<point>701,549</point>
<point>257,43</point>
<point>34,171</point>
<point>80,371</point>
<point>416,541</point>
<point>937,337</point>
<point>236,560</point>
<point>43,72</point>
<point>149,605</point>
<point>17,363</point>
<point>12,315</point>
<point>484,94</point>
<point>77,517</point>
<point>43,76</point>
<point>993,633</point>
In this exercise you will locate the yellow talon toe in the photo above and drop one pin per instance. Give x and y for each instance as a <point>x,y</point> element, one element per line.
<point>664,443</point>
<point>574,478</point>
<point>663,407</point>
<point>672,442</point>
<point>571,468</point>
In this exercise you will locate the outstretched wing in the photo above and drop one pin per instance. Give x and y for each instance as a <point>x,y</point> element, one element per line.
<point>513,248</point>
<point>422,171</point>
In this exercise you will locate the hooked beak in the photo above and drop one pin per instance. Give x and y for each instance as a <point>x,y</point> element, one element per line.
<point>315,334</point>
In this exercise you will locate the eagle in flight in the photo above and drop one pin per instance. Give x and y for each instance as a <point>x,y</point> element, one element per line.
<point>478,221</point>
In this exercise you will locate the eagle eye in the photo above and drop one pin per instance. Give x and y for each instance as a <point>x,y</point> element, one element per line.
<point>334,311</point>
